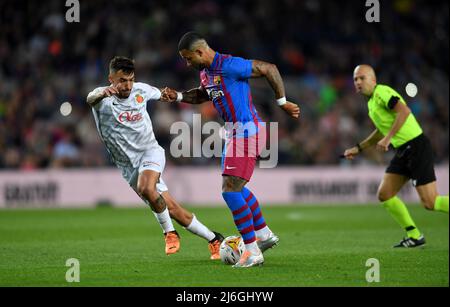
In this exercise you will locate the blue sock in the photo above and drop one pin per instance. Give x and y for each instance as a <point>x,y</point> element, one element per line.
<point>258,219</point>
<point>242,215</point>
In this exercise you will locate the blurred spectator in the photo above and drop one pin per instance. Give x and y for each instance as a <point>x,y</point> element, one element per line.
<point>65,151</point>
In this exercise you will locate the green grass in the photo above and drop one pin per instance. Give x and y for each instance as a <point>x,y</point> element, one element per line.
<point>320,246</point>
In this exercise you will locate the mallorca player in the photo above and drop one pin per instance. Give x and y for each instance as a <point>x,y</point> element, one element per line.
<point>224,81</point>
<point>120,113</point>
<point>396,125</point>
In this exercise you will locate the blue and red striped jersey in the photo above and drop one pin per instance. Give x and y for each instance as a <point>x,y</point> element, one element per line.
<point>226,83</point>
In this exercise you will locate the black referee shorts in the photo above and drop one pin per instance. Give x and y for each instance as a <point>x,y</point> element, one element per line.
<point>415,160</point>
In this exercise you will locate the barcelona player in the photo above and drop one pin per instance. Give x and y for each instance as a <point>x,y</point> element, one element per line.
<point>224,80</point>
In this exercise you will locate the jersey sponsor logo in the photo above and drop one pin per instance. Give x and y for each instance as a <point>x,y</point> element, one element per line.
<point>214,94</point>
<point>130,117</point>
<point>230,167</point>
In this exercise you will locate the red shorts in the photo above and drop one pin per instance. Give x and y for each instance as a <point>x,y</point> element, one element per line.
<point>240,155</point>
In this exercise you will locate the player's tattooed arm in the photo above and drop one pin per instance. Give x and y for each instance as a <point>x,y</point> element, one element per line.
<point>193,96</point>
<point>271,73</point>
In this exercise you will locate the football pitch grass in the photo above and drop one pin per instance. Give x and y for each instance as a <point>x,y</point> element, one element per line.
<point>319,246</point>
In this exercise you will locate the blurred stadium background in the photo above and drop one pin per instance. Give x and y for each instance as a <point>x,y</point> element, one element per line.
<point>46,61</point>
<point>48,159</point>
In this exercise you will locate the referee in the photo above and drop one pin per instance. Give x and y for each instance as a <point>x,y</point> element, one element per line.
<point>396,125</point>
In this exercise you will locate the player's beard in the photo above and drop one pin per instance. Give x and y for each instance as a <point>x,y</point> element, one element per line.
<point>124,95</point>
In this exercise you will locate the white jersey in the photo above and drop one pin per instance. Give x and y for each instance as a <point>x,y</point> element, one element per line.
<point>125,126</point>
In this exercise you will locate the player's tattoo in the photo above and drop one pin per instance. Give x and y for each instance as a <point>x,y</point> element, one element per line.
<point>233,184</point>
<point>271,73</point>
<point>159,204</point>
<point>195,96</point>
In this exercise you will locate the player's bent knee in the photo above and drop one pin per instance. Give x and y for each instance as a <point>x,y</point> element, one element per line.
<point>384,195</point>
<point>227,187</point>
<point>232,184</point>
<point>148,193</point>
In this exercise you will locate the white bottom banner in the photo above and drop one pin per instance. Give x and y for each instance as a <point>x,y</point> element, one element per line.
<point>202,187</point>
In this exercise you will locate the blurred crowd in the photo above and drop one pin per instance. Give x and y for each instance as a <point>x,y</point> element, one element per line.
<point>45,61</point>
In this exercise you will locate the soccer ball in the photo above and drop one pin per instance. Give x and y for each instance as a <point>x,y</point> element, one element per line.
<point>231,249</point>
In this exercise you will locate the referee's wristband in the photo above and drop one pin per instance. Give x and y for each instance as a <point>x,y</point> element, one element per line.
<point>281,101</point>
<point>359,147</point>
<point>179,96</point>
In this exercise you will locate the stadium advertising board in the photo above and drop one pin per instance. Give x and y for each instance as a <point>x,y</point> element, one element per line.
<point>199,187</point>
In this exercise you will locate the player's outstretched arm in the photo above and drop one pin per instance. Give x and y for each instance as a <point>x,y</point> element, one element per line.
<point>98,94</point>
<point>371,140</point>
<point>272,74</point>
<point>193,96</point>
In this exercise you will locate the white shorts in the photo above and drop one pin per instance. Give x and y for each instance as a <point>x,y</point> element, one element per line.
<point>154,159</point>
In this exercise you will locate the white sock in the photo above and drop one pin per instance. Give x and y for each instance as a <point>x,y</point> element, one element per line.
<point>164,220</point>
<point>263,234</point>
<point>253,248</point>
<point>200,230</point>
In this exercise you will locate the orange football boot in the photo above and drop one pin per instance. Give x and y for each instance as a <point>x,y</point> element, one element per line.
<point>172,242</point>
<point>214,246</point>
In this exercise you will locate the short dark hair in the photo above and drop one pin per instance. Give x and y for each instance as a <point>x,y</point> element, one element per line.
<point>188,40</point>
<point>121,63</point>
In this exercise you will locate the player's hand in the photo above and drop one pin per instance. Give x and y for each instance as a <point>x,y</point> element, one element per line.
<point>292,109</point>
<point>168,95</point>
<point>350,153</point>
<point>110,91</point>
<point>383,145</point>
